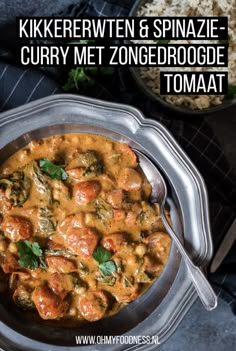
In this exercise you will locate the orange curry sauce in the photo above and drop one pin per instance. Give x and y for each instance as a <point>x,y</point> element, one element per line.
<point>101,206</point>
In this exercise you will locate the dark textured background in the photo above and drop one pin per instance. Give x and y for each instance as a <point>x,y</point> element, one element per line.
<point>224,125</point>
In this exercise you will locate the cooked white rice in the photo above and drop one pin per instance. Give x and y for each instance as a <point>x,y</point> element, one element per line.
<point>192,8</point>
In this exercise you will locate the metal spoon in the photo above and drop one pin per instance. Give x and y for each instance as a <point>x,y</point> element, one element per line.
<point>159,195</point>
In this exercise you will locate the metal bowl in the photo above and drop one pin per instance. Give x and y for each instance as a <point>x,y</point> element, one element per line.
<point>228,102</point>
<point>162,307</point>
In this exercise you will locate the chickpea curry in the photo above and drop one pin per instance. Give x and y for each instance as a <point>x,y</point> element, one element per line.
<point>79,238</point>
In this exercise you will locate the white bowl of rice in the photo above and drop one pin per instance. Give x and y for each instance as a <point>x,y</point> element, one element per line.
<point>148,78</point>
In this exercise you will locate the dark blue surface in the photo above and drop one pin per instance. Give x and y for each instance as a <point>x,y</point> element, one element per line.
<point>205,331</point>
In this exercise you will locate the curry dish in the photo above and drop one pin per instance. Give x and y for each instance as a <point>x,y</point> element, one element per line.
<point>79,238</point>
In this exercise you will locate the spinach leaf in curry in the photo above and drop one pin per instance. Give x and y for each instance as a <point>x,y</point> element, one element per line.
<point>91,162</point>
<point>16,187</point>
<point>46,224</point>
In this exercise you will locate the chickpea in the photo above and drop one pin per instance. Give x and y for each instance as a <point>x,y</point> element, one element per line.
<point>31,284</point>
<point>80,290</point>
<point>71,155</point>
<point>131,260</point>
<point>56,194</point>
<point>75,140</point>
<point>89,218</point>
<point>3,245</point>
<point>108,146</point>
<point>12,248</point>
<point>141,250</point>
<point>72,311</point>
<point>35,144</point>
<point>6,171</point>
<point>35,274</point>
<point>60,191</point>
<point>23,154</point>
<point>30,211</point>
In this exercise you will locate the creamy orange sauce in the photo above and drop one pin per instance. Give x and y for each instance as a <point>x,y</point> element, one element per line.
<point>102,204</point>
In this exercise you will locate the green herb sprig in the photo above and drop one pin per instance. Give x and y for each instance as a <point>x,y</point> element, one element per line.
<point>29,254</point>
<point>55,172</point>
<point>82,77</point>
<point>102,256</point>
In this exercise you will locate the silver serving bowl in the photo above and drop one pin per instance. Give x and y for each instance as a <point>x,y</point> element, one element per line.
<point>162,307</point>
<point>227,102</point>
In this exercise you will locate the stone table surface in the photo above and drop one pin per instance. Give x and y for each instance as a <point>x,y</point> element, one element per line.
<point>201,330</point>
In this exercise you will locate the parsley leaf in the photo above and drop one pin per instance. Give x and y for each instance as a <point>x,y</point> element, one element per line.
<point>29,261</point>
<point>83,77</point>
<point>35,248</point>
<point>55,172</point>
<point>29,254</point>
<point>107,268</point>
<point>101,255</point>
<point>77,76</point>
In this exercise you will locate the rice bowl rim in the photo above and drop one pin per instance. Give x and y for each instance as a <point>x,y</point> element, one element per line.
<point>227,103</point>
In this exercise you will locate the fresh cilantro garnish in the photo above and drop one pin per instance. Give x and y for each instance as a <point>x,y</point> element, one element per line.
<point>82,77</point>
<point>77,77</point>
<point>29,254</point>
<point>54,171</point>
<point>107,268</point>
<point>102,256</point>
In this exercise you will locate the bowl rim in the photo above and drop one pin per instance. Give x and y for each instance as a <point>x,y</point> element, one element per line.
<point>134,122</point>
<point>227,103</point>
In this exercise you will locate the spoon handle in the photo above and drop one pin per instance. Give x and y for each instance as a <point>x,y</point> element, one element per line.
<point>203,287</point>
